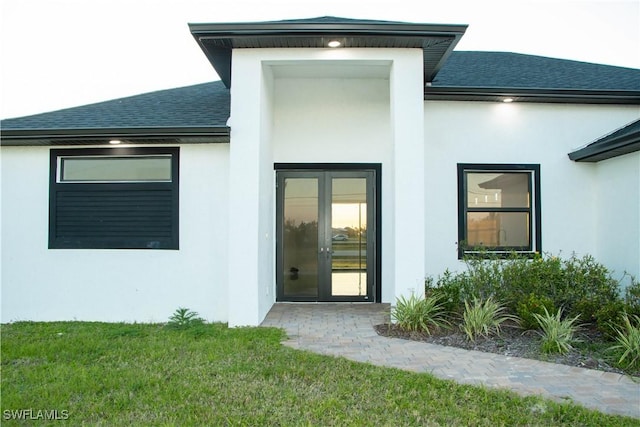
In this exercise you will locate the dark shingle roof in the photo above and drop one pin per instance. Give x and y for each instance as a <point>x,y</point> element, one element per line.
<point>199,113</point>
<point>515,70</point>
<point>202,105</point>
<point>332,20</point>
<point>623,141</point>
<point>191,114</point>
<point>493,76</point>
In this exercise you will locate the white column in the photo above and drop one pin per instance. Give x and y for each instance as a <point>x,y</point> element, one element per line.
<point>244,191</point>
<point>407,115</point>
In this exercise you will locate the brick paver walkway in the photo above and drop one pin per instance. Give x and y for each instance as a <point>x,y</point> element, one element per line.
<point>347,330</point>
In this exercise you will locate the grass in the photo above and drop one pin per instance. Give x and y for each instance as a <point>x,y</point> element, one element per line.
<point>142,374</point>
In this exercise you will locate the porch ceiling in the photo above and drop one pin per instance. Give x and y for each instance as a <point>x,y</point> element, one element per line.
<point>218,40</point>
<point>331,69</point>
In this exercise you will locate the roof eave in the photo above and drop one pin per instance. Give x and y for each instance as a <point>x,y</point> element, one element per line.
<point>497,94</point>
<point>101,136</point>
<point>230,30</point>
<point>229,34</point>
<point>602,151</point>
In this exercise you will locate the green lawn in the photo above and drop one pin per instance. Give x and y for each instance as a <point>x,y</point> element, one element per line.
<point>141,374</point>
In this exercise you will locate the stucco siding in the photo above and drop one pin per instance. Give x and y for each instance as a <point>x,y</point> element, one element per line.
<point>618,213</point>
<point>225,267</point>
<point>482,132</point>
<point>322,106</point>
<point>339,121</point>
<point>332,121</point>
<point>113,285</point>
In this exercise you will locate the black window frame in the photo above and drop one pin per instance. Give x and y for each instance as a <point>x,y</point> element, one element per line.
<point>169,190</point>
<point>534,209</point>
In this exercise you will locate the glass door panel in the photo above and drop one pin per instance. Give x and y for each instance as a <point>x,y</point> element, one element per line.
<point>326,235</point>
<point>348,237</point>
<point>300,237</point>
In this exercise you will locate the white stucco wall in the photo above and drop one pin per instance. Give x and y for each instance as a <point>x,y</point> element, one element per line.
<point>339,121</point>
<point>331,121</point>
<point>333,106</point>
<point>483,132</point>
<point>618,213</point>
<point>321,106</point>
<point>113,285</point>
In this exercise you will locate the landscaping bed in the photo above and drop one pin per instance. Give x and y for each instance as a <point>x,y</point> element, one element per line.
<point>570,311</point>
<point>589,353</point>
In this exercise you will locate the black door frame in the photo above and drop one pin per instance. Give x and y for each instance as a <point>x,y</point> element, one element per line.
<point>376,168</point>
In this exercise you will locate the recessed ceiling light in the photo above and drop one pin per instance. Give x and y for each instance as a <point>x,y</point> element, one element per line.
<point>507,100</point>
<point>115,142</point>
<point>334,43</point>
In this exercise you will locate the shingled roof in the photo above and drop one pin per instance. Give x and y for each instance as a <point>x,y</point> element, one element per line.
<point>516,70</point>
<point>489,76</point>
<point>199,113</point>
<point>201,105</point>
<point>196,113</point>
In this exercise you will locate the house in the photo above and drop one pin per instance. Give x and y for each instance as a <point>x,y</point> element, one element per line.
<point>335,160</point>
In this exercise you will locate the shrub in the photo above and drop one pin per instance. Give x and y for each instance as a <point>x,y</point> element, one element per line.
<point>448,289</point>
<point>632,298</point>
<point>419,314</point>
<point>184,318</point>
<point>481,280</point>
<point>628,342</point>
<point>587,286</point>
<point>523,276</point>
<point>607,315</point>
<point>582,286</point>
<point>557,333</point>
<point>533,304</point>
<point>485,276</point>
<point>483,318</point>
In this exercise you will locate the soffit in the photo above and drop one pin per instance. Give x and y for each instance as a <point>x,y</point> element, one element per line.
<point>102,136</point>
<point>540,95</point>
<point>331,69</point>
<point>218,40</point>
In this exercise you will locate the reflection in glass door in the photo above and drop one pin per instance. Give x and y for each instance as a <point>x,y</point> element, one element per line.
<point>300,237</point>
<point>326,239</point>
<point>348,237</point>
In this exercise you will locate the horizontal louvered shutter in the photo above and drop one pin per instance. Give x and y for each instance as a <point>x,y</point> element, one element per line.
<point>114,215</point>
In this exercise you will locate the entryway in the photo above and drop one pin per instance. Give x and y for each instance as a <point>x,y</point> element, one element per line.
<point>327,239</point>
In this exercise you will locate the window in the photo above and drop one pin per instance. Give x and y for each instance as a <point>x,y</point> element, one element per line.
<point>114,198</point>
<point>498,208</point>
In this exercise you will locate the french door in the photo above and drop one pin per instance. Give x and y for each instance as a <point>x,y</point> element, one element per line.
<point>326,245</point>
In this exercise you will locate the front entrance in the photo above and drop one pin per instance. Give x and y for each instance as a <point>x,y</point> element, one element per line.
<point>327,240</point>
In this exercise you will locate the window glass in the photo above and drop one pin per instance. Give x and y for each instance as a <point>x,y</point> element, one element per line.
<point>499,208</point>
<point>116,169</point>
<point>300,237</point>
<point>498,229</point>
<point>498,190</point>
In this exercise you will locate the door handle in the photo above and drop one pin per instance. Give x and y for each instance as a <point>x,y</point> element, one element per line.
<point>326,251</point>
